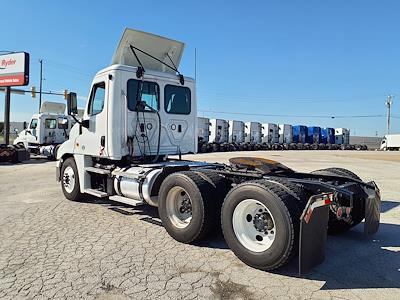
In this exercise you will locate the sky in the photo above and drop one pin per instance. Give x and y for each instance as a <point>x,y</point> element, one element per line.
<point>295,62</point>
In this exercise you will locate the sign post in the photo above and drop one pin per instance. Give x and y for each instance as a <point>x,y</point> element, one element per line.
<point>7,115</point>
<point>14,71</point>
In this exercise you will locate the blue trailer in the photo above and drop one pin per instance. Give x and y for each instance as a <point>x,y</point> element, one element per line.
<point>328,135</point>
<point>313,135</point>
<point>299,134</point>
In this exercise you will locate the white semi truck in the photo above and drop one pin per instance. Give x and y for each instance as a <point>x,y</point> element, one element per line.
<point>141,110</point>
<point>236,132</point>
<point>391,142</point>
<point>253,132</point>
<point>47,129</point>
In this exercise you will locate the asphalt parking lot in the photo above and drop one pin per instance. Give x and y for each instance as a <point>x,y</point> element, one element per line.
<point>53,248</point>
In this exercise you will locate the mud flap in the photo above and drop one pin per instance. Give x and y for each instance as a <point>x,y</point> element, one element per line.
<point>313,232</point>
<point>372,210</point>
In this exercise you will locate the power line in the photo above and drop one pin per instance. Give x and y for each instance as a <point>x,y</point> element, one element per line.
<point>292,116</point>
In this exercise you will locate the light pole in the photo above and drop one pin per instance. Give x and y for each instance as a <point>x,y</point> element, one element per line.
<point>40,84</point>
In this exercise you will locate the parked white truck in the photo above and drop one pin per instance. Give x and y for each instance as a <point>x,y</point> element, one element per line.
<point>47,129</point>
<point>141,109</point>
<point>391,142</point>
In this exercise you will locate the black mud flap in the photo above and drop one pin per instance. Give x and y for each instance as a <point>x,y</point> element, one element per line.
<point>313,232</point>
<point>372,210</point>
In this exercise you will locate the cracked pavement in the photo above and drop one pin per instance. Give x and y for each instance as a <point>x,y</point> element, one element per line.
<point>54,248</point>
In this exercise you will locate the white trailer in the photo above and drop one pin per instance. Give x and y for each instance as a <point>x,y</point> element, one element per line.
<point>141,109</point>
<point>203,129</point>
<point>342,136</point>
<point>47,129</point>
<point>285,134</point>
<point>270,133</point>
<point>391,142</point>
<point>219,131</point>
<point>253,132</point>
<point>236,131</point>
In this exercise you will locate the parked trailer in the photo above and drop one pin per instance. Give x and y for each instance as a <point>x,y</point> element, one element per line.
<point>253,132</point>
<point>270,133</point>
<point>267,211</point>
<point>391,142</point>
<point>47,129</point>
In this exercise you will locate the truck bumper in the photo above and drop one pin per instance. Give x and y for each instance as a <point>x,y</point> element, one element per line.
<point>58,170</point>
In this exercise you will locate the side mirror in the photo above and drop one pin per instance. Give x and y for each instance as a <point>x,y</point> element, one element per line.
<point>25,125</point>
<point>72,104</point>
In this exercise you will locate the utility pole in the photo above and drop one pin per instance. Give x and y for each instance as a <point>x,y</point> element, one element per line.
<point>40,84</point>
<point>389,102</point>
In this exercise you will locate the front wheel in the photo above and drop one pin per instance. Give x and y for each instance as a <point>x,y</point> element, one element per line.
<point>70,180</point>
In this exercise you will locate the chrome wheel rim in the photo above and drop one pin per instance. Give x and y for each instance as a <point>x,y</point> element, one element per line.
<point>254,225</point>
<point>69,179</point>
<point>179,207</point>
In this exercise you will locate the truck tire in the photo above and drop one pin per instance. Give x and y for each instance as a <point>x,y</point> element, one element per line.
<point>260,223</point>
<point>70,180</point>
<point>187,206</point>
<point>336,226</point>
<point>296,190</point>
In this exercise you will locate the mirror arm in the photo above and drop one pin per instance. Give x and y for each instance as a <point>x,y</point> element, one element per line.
<point>76,120</point>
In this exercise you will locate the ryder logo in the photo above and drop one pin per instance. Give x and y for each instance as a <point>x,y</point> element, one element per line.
<point>5,63</point>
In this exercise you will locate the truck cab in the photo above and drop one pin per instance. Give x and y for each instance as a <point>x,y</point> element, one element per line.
<point>138,108</point>
<point>48,128</point>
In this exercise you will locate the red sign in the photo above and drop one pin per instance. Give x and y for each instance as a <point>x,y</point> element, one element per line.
<point>14,69</point>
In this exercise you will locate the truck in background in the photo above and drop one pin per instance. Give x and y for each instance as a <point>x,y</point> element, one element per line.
<point>253,132</point>
<point>328,137</point>
<point>47,129</point>
<point>342,136</point>
<point>270,133</point>
<point>285,133</point>
<point>391,142</point>
<point>236,132</point>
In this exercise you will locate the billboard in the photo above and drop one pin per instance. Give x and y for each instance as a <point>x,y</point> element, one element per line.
<point>14,69</point>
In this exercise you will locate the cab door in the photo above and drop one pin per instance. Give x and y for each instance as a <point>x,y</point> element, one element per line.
<point>92,140</point>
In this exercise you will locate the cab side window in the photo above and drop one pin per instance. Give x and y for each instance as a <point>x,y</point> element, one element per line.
<point>62,123</point>
<point>33,124</point>
<point>50,123</point>
<point>97,99</point>
<point>150,94</point>
<point>177,100</point>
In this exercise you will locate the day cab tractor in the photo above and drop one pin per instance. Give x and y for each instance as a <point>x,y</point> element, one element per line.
<point>141,111</point>
<point>46,130</point>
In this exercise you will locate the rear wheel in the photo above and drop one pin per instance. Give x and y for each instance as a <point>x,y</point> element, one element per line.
<point>260,222</point>
<point>188,206</point>
<point>336,226</point>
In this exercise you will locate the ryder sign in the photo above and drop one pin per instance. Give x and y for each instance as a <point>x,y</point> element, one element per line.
<point>14,69</point>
